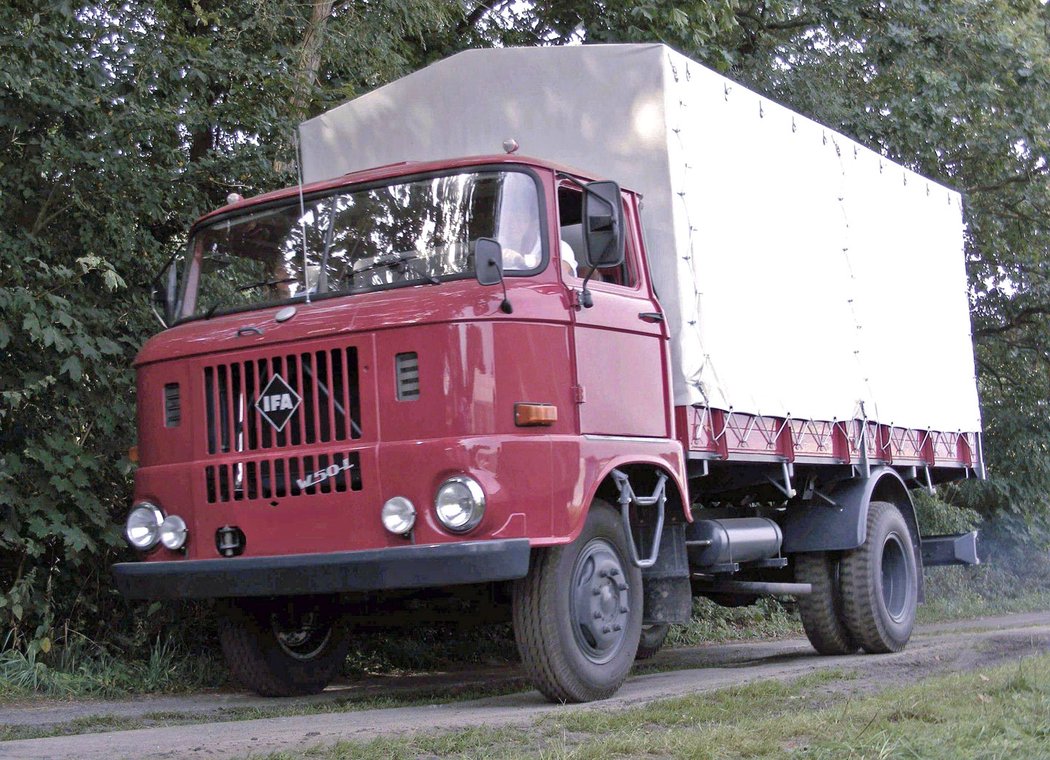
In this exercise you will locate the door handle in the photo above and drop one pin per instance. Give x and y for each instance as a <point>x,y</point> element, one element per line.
<point>651,316</point>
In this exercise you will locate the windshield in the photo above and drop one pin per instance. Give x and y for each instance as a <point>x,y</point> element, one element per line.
<point>404,234</point>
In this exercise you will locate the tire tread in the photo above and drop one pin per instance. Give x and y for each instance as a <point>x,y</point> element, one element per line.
<point>821,610</point>
<point>860,602</point>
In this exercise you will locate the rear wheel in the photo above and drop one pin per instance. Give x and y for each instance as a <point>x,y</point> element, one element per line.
<point>652,640</point>
<point>578,613</point>
<point>880,582</point>
<point>821,610</point>
<point>285,647</point>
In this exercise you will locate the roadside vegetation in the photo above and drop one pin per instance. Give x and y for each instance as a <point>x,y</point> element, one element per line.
<point>1000,712</point>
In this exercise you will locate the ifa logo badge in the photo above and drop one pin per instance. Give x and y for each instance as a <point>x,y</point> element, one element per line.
<point>277,402</point>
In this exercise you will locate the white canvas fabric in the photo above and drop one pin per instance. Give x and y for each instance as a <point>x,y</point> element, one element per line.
<point>802,274</point>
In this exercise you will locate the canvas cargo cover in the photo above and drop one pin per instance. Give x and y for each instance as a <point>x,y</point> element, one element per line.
<point>802,274</point>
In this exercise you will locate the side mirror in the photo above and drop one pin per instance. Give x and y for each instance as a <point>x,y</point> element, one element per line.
<point>603,225</point>
<point>488,261</point>
<point>164,292</point>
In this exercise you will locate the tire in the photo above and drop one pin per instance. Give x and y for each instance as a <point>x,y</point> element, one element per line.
<point>283,647</point>
<point>880,582</point>
<point>652,640</point>
<point>821,610</point>
<point>578,613</point>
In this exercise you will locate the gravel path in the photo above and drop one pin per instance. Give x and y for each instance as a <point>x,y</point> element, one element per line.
<point>951,647</point>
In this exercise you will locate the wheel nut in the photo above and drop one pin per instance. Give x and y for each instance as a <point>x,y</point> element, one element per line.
<point>606,629</point>
<point>624,610</point>
<point>597,590</point>
<point>617,627</point>
<point>597,614</point>
<point>614,572</point>
<point>622,586</point>
<point>603,573</point>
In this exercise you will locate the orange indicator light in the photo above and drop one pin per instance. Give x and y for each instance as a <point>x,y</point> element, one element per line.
<point>529,415</point>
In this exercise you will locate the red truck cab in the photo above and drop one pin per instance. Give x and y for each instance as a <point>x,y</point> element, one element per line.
<point>341,406</point>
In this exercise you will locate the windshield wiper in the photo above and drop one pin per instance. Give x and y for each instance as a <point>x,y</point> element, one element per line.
<point>250,286</point>
<point>408,260</point>
<point>266,284</point>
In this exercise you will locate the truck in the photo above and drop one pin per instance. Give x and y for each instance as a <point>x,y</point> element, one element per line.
<point>566,335</point>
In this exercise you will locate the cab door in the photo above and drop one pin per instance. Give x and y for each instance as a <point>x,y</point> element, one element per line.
<point>622,384</point>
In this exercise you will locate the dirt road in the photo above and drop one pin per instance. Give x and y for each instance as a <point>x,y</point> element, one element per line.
<point>945,648</point>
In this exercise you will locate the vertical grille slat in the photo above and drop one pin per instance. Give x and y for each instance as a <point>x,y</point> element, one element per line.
<point>209,406</point>
<point>324,396</point>
<point>353,397</point>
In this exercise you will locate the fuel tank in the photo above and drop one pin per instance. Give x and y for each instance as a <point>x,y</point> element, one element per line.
<point>735,539</point>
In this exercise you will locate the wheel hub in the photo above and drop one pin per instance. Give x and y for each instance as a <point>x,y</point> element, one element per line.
<point>600,600</point>
<point>302,637</point>
<point>895,586</point>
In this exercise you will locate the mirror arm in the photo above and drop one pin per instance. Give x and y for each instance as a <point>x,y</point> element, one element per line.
<point>505,306</point>
<point>586,301</point>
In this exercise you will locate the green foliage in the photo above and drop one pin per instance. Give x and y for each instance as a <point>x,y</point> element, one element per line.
<point>937,516</point>
<point>87,669</point>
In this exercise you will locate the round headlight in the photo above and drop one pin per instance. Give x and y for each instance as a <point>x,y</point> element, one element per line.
<point>460,504</point>
<point>143,526</point>
<point>173,532</point>
<point>399,515</point>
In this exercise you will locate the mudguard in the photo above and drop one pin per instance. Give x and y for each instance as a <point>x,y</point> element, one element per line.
<point>842,525</point>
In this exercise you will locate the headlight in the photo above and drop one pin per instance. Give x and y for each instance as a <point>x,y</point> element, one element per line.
<point>173,532</point>
<point>460,504</point>
<point>398,515</point>
<point>143,526</point>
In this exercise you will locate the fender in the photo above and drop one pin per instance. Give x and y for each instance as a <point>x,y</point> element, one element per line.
<point>843,525</point>
<point>597,482</point>
<point>604,478</point>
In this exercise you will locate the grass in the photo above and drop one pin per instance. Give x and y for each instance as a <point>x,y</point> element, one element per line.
<point>85,669</point>
<point>997,713</point>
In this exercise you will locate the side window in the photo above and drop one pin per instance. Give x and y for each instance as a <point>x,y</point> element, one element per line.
<point>570,226</point>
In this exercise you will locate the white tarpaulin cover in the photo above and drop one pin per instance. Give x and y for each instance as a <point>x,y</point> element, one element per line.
<point>802,274</point>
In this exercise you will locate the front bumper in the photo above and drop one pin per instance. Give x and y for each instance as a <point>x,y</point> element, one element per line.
<point>401,567</point>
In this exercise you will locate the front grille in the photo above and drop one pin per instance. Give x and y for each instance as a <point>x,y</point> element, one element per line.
<point>284,477</point>
<point>326,383</point>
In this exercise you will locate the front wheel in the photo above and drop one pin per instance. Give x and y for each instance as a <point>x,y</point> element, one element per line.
<point>880,582</point>
<point>578,613</point>
<point>283,647</point>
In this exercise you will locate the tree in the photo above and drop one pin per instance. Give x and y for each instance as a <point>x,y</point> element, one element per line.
<point>121,123</point>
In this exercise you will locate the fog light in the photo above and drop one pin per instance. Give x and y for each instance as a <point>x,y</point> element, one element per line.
<point>143,527</point>
<point>173,532</point>
<point>399,515</point>
<point>460,504</point>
